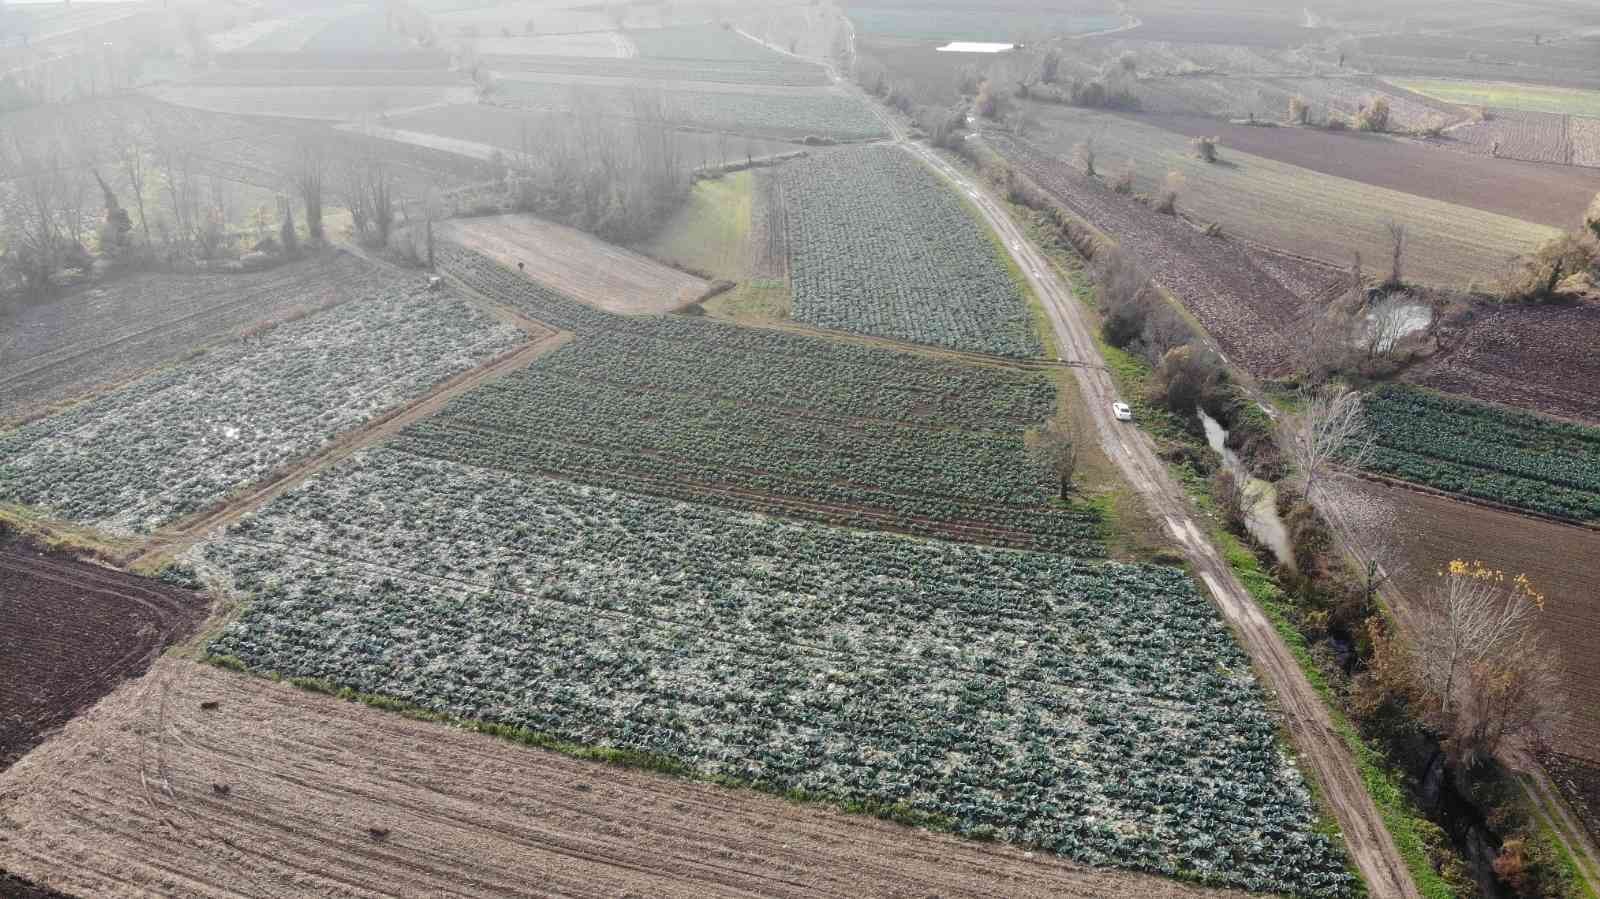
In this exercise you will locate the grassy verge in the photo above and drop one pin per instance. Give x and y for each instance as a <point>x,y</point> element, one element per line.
<point>756,301</point>
<point>711,231</point>
<point>1412,832</point>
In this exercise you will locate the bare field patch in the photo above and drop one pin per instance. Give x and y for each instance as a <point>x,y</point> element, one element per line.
<point>577,264</point>
<point>1542,194</point>
<point>592,44</point>
<point>1297,209</point>
<point>199,782</point>
<point>74,631</point>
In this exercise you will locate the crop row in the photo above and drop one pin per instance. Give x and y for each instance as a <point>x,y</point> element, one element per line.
<point>662,418</point>
<point>881,245</point>
<point>185,437</point>
<point>1486,452</point>
<point>785,115</point>
<point>1098,711</point>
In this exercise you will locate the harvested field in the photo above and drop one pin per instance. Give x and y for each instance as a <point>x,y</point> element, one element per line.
<point>577,264</point>
<point>702,42</point>
<point>111,332</point>
<point>930,21</point>
<point>790,114</point>
<point>463,814</point>
<point>1296,209</point>
<point>1529,136</point>
<point>1261,29</point>
<point>73,632</point>
<point>290,78</point>
<point>1267,99</point>
<point>1542,194</point>
<point>1584,135</point>
<point>1249,306</point>
<point>334,103</point>
<point>1538,358</point>
<point>1500,95</point>
<point>504,128</point>
<point>1559,559</point>
<point>780,72</point>
<point>605,47</point>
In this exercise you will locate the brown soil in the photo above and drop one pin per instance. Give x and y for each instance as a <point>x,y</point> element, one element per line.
<point>1559,559</point>
<point>769,238</point>
<point>1237,293</point>
<point>1540,358</point>
<point>1579,782</point>
<point>577,264</point>
<point>73,631</point>
<point>1548,195</point>
<point>272,791</point>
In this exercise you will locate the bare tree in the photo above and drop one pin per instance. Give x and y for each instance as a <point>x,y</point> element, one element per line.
<point>1329,430</point>
<point>310,172</point>
<point>32,229</point>
<point>1167,200</point>
<point>1387,323</point>
<point>128,140</point>
<point>1084,153</point>
<point>1054,449</point>
<point>1397,248</point>
<point>1478,663</point>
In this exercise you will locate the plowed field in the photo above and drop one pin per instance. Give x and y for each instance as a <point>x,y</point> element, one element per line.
<point>271,791</point>
<point>1558,558</point>
<point>1539,358</point>
<point>1548,195</point>
<point>1245,299</point>
<point>577,264</point>
<point>72,632</point>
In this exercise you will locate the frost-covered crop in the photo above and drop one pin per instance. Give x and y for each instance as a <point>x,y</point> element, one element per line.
<point>184,438</point>
<point>1096,710</point>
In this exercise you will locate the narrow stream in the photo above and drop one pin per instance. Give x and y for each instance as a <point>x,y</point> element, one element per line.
<point>1261,519</point>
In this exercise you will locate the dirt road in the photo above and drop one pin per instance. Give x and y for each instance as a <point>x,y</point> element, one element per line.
<point>195,781</point>
<point>1322,752</point>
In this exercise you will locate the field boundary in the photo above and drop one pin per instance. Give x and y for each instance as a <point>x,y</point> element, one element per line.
<point>1390,481</point>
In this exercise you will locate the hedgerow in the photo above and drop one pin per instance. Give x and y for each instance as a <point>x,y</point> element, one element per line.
<point>1485,452</point>
<point>1096,710</point>
<point>880,245</point>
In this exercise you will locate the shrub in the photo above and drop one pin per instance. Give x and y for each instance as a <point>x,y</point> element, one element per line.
<point>1337,122</point>
<point>1591,217</point>
<point>1123,183</point>
<point>1188,378</point>
<point>991,102</point>
<point>1374,116</point>
<point>1299,110</point>
<point>1084,153</point>
<point>1166,202</point>
<point>1206,148</point>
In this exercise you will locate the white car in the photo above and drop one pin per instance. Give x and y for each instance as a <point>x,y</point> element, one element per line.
<point>1122,412</point>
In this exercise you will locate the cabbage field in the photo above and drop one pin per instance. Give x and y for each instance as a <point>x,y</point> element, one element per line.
<point>881,245</point>
<point>766,421</point>
<point>185,437</point>
<point>1099,711</point>
<point>1486,452</point>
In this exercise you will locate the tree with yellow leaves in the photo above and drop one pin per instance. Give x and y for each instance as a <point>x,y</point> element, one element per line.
<point>1479,674</point>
